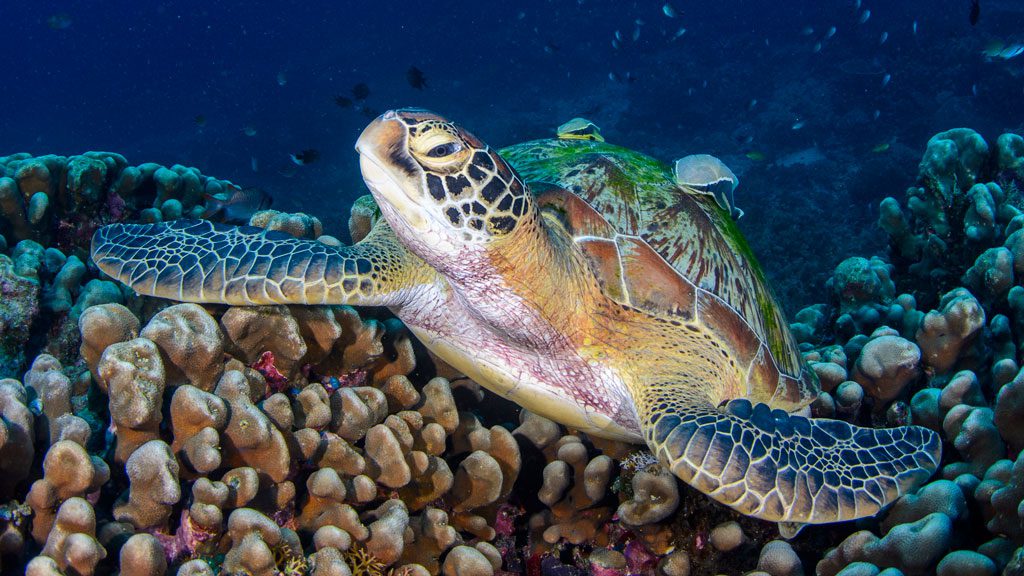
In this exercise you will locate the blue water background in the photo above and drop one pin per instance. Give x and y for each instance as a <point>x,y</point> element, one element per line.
<point>134,76</point>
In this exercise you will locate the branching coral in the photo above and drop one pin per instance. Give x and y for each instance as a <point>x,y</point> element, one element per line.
<point>142,555</point>
<point>252,331</point>
<point>859,282</point>
<point>197,419</point>
<point>61,200</point>
<point>574,489</point>
<point>655,493</point>
<point>954,214</point>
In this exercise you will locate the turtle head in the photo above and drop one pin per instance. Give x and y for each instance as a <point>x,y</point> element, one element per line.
<point>440,188</point>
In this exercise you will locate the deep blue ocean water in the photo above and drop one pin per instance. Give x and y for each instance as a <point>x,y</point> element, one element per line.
<point>819,126</point>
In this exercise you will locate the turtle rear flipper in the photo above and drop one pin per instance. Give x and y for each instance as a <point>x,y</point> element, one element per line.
<point>784,468</point>
<point>200,261</point>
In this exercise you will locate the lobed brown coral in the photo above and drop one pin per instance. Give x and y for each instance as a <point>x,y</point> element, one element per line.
<point>322,440</point>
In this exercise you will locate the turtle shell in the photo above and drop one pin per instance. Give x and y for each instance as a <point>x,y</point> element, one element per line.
<point>637,203</point>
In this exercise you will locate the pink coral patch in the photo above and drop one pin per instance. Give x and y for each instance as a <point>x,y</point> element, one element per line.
<point>276,382</point>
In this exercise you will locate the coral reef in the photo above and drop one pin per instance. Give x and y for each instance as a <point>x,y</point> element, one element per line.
<point>145,437</point>
<point>49,208</point>
<point>941,353</point>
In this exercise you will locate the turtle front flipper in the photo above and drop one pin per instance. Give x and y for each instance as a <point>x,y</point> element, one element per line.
<point>200,261</point>
<point>785,468</point>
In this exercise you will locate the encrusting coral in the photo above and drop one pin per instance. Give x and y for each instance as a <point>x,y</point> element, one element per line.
<point>151,438</point>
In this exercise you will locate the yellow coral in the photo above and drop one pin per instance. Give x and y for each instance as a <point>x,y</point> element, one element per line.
<point>362,563</point>
<point>289,563</point>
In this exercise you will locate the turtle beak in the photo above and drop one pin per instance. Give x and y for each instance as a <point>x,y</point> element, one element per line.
<point>392,175</point>
<point>384,137</point>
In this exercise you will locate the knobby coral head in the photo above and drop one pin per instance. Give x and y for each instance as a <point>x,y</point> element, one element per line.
<point>276,437</point>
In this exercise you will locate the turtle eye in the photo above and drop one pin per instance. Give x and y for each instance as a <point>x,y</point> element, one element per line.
<point>446,149</point>
<point>439,149</point>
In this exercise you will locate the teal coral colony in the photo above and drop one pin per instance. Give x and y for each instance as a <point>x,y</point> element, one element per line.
<point>183,396</point>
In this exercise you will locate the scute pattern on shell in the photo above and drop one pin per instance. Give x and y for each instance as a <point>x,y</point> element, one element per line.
<point>638,196</point>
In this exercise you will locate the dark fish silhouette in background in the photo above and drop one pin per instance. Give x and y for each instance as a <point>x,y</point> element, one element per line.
<point>416,78</point>
<point>370,112</point>
<point>975,11</point>
<point>200,120</point>
<point>237,205</point>
<point>361,91</point>
<point>343,101</point>
<point>307,156</point>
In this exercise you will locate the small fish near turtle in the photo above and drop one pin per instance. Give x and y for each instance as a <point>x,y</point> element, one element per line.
<point>580,280</point>
<point>307,156</point>
<point>416,78</point>
<point>361,91</point>
<point>236,206</point>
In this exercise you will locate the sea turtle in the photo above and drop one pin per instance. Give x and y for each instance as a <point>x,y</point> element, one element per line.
<point>603,296</point>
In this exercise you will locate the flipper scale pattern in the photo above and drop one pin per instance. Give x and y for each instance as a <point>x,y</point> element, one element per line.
<point>784,468</point>
<point>206,262</point>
